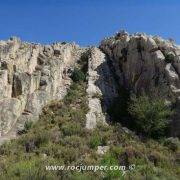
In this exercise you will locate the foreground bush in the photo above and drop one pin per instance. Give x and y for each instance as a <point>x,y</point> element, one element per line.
<point>151,115</point>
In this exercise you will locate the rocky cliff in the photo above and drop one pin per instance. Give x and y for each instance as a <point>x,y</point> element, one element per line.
<point>147,64</point>
<point>32,75</point>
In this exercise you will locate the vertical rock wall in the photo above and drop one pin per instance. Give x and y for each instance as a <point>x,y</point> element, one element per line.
<point>101,85</point>
<point>31,75</point>
<point>146,64</point>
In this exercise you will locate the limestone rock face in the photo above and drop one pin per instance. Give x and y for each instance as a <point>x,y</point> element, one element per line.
<point>10,110</point>
<point>31,75</point>
<point>100,85</point>
<point>146,64</point>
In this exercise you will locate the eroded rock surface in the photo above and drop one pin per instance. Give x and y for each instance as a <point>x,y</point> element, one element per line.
<point>146,64</point>
<point>101,85</point>
<point>31,75</point>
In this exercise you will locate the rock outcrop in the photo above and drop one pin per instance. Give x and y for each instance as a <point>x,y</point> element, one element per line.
<point>31,75</point>
<point>101,85</point>
<point>146,64</point>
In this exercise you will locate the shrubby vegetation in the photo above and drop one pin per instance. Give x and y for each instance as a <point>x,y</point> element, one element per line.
<point>169,58</point>
<point>148,116</point>
<point>151,115</point>
<point>78,75</point>
<point>80,72</point>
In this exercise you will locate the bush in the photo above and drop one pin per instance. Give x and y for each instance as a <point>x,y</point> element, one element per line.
<point>151,115</point>
<point>68,154</point>
<point>95,141</point>
<point>172,143</point>
<point>78,75</point>
<point>28,125</point>
<point>169,58</point>
<point>83,62</point>
<point>35,140</point>
<point>109,160</point>
<point>71,128</point>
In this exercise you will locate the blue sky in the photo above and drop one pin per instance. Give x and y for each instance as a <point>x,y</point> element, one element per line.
<point>87,22</point>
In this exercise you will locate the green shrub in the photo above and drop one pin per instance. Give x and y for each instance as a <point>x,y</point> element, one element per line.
<point>32,169</point>
<point>109,160</point>
<point>95,141</point>
<point>71,128</point>
<point>83,62</point>
<point>116,151</point>
<point>71,96</point>
<point>34,140</point>
<point>28,125</point>
<point>78,75</point>
<point>151,115</point>
<point>172,143</point>
<point>64,42</point>
<point>68,154</point>
<point>169,58</point>
<point>73,141</point>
